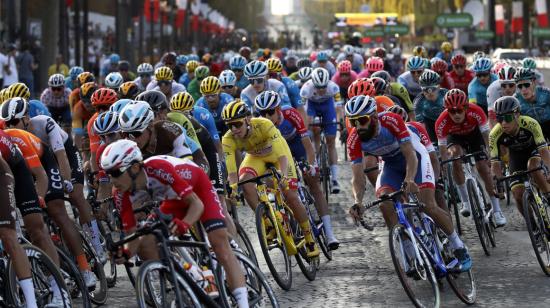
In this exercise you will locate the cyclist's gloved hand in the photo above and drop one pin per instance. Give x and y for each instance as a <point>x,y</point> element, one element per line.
<point>179,227</point>
<point>356,213</point>
<point>410,187</point>
<point>233,191</point>
<point>68,186</point>
<point>313,169</point>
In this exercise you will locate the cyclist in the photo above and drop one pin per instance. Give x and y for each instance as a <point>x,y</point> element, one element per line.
<point>527,148</point>
<point>460,74</point>
<point>463,127</point>
<point>256,73</point>
<point>56,98</point>
<point>323,100</point>
<point>534,100</point>
<point>194,86</point>
<point>275,71</point>
<point>344,78</point>
<point>185,192</point>
<point>190,68</point>
<point>245,52</point>
<point>382,88</point>
<point>70,81</point>
<point>144,71</point>
<point>409,79</point>
<point>420,51</point>
<point>290,63</point>
<point>237,64</point>
<point>228,82</point>
<point>303,76</point>
<point>323,61</point>
<point>348,53</point>
<point>124,70</point>
<point>446,54</point>
<point>263,144</point>
<point>82,78</point>
<point>441,67</point>
<point>214,104</point>
<point>164,82</point>
<point>373,65</point>
<point>396,63</point>
<point>504,86</point>
<point>113,81</point>
<point>19,89</point>
<point>101,100</point>
<point>128,90</point>
<point>292,128</point>
<point>82,112</point>
<point>530,63</point>
<point>429,104</point>
<point>303,62</point>
<point>477,89</point>
<point>397,90</point>
<point>406,164</point>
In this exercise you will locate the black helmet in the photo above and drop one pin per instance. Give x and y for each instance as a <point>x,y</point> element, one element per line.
<point>382,74</point>
<point>303,62</point>
<point>506,104</point>
<point>156,99</point>
<point>525,74</point>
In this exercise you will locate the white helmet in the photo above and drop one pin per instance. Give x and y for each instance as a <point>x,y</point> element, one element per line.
<point>304,74</point>
<point>135,117</point>
<point>14,108</point>
<point>120,155</point>
<point>320,77</point>
<point>348,50</point>
<point>56,80</point>
<point>145,68</point>
<point>228,78</point>
<point>114,80</point>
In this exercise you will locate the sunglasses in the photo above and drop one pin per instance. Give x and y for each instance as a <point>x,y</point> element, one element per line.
<point>108,136</point>
<point>210,96</point>
<point>418,72</point>
<point>116,173</point>
<point>256,80</point>
<point>524,85</point>
<point>362,120</point>
<point>455,110</point>
<point>235,124</point>
<point>57,89</point>
<point>459,66</point>
<point>133,135</point>
<point>507,85</point>
<point>430,90</point>
<point>509,117</point>
<point>145,76</point>
<point>320,87</point>
<point>228,87</point>
<point>237,70</point>
<point>270,112</point>
<point>164,83</point>
<point>13,122</point>
<point>482,75</point>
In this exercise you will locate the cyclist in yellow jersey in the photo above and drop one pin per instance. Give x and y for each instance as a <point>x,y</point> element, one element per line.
<point>263,144</point>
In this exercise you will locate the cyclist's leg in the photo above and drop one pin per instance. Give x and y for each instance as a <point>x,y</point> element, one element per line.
<point>533,163</point>
<point>328,117</point>
<point>517,162</point>
<point>315,130</point>
<point>217,179</point>
<point>371,162</point>
<point>388,181</point>
<point>455,150</point>
<point>251,167</point>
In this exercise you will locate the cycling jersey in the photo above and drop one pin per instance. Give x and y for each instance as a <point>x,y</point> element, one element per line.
<point>206,119</point>
<point>37,108</point>
<point>338,81</point>
<point>310,94</point>
<point>184,80</point>
<point>462,82</point>
<point>194,89</point>
<point>477,92</point>
<point>447,82</point>
<point>322,104</point>
<point>181,119</point>
<point>540,78</point>
<point>407,81</point>
<point>170,180</point>
<point>494,92</point>
<point>49,132</point>
<point>421,132</point>
<point>169,139</point>
<point>216,113</point>
<point>81,116</point>
<point>328,66</point>
<point>248,95</point>
<point>539,109</point>
<point>474,118</point>
<point>356,63</point>
<point>399,91</point>
<point>176,88</point>
<point>140,85</point>
<point>364,74</point>
<point>69,83</point>
<point>293,92</point>
<point>242,83</point>
<point>50,100</point>
<point>293,129</point>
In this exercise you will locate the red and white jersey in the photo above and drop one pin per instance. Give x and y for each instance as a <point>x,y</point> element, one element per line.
<point>475,117</point>
<point>420,131</point>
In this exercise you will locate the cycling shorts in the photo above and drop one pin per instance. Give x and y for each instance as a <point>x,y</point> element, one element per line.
<point>25,198</point>
<point>55,180</point>
<point>256,165</point>
<point>216,171</point>
<point>327,112</point>
<point>297,149</point>
<point>472,142</point>
<point>7,203</point>
<point>212,217</point>
<point>518,162</point>
<point>62,115</point>
<point>75,162</point>
<point>394,171</point>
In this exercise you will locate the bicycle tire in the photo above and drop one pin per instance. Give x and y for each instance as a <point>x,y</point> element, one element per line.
<point>453,200</point>
<point>316,222</point>
<point>491,224</point>
<point>477,216</point>
<point>111,272</point>
<point>284,282</point>
<point>395,242</point>
<point>247,244</point>
<point>99,295</point>
<point>308,266</point>
<point>533,218</point>
<point>324,169</point>
<point>71,273</point>
<point>39,262</point>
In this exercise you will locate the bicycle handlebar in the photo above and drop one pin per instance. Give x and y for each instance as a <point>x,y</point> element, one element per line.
<point>462,157</point>
<point>518,174</point>
<point>383,198</point>
<point>258,179</point>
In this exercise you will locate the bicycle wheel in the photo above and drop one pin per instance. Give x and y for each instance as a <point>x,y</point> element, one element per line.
<point>415,273</point>
<point>273,247</point>
<point>489,223</point>
<point>98,295</point>
<point>73,279</point>
<point>477,215</point>
<point>244,243</point>
<point>42,267</point>
<point>317,225</point>
<point>109,268</point>
<point>155,278</point>
<point>536,228</point>
<point>308,266</point>
<point>453,199</point>
<point>324,169</point>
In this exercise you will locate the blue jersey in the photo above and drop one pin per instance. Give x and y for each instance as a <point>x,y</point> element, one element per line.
<point>293,92</point>
<point>206,119</point>
<point>217,113</point>
<point>37,108</point>
<point>441,56</point>
<point>184,80</point>
<point>69,83</point>
<point>425,109</point>
<point>242,83</point>
<point>477,93</point>
<point>540,108</point>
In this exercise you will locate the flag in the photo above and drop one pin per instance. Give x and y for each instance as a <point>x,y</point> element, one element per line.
<point>542,17</point>
<point>147,10</point>
<point>517,16</point>
<point>499,19</point>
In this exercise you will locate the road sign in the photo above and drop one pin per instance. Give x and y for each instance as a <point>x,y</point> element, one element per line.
<point>397,29</point>
<point>484,34</point>
<point>376,32</point>
<point>460,20</point>
<point>541,32</point>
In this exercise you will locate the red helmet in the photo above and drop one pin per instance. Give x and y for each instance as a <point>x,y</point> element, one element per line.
<point>439,66</point>
<point>362,86</point>
<point>104,96</point>
<point>458,60</point>
<point>456,99</point>
<point>344,66</point>
<point>375,64</point>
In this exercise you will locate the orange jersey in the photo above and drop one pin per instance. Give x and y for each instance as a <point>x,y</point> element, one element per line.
<point>382,104</point>
<point>74,97</point>
<point>81,116</point>
<point>31,147</point>
<point>94,138</point>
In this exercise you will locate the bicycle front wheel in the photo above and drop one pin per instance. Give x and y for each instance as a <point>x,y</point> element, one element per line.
<point>324,169</point>
<point>414,271</point>
<point>244,243</point>
<point>536,227</point>
<point>308,266</point>
<point>477,214</point>
<point>453,200</point>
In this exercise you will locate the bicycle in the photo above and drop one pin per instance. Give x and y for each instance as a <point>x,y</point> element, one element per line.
<point>242,237</point>
<point>536,214</point>
<point>421,253</point>
<point>279,231</point>
<point>482,212</point>
<point>323,159</point>
<point>452,197</point>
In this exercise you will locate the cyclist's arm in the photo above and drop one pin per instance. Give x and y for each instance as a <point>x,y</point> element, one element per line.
<point>494,150</point>
<point>355,155</point>
<point>412,162</point>
<point>195,208</point>
<point>279,145</point>
<point>230,150</point>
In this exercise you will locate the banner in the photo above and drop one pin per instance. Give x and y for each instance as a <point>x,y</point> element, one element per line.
<point>517,16</point>
<point>147,10</point>
<point>542,17</point>
<point>499,19</point>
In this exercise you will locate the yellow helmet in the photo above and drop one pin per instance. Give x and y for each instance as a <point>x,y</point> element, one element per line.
<point>128,90</point>
<point>236,109</point>
<point>420,51</point>
<point>191,66</point>
<point>446,47</point>
<point>182,101</point>
<point>19,89</point>
<point>210,85</point>
<point>84,77</point>
<point>274,65</point>
<point>3,94</point>
<point>164,73</point>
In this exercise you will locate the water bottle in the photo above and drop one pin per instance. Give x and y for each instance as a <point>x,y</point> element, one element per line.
<point>210,288</point>
<point>196,273</point>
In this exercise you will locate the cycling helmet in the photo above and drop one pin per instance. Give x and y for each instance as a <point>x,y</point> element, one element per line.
<point>182,101</point>
<point>304,73</point>
<point>360,105</point>
<point>427,63</point>
<point>382,74</point>
<point>164,73</point>
<point>478,55</point>
<point>106,122</point>
<point>446,47</point>
<point>118,105</point>
<point>344,67</point>
<point>120,155</point>
<point>3,95</point>
<point>181,60</point>
<point>322,56</point>
<point>114,80</point>
<point>56,80</point>
<point>210,85</point>
<point>380,85</point>
<point>206,58</point>
<point>429,78</point>
<point>482,65</point>
<point>237,63</point>
<point>379,52</point>
<point>114,58</point>
<point>19,89</point>
<point>267,100</point>
<point>399,111</point>
<point>420,51</point>
<point>87,90</point>
<point>227,78</point>
<point>145,68</point>
<point>458,60</point>
<point>529,63</point>
<point>274,65</point>
<point>348,50</point>
<point>123,66</point>
<point>135,117</point>
<point>524,74</point>
<point>75,71</point>
<point>455,99</point>
<point>193,57</point>
<point>191,66</point>
<point>396,51</point>
<point>320,77</point>
<point>506,104</point>
<point>507,74</point>
<point>245,51</point>
<point>255,69</point>
<point>104,96</point>
<point>313,56</point>
<point>259,53</point>
<point>236,109</point>
<point>361,86</point>
<point>128,90</point>
<point>267,52</point>
<point>303,62</point>
<point>14,108</point>
<point>202,72</point>
<point>375,64</point>
<point>85,77</point>
<point>415,63</point>
<point>439,66</point>
<point>156,99</point>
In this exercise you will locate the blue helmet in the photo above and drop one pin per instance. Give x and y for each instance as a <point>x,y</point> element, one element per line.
<point>181,60</point>
<point>415,63</point>
<point>118,105</point>
<point>237,63</point>
<point>114,58</point>
<point>227,78</point>
<point>482,65</point>
<point>106,122</point>
<point>255,69</point>
<point>360,105</point>
<point>322,56</point>
<point>75,71</point>
<point>193,57</point>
